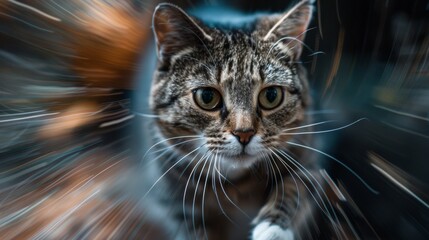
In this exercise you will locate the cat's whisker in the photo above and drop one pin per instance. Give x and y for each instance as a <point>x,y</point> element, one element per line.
<point>307,125</point>
<point>325,131</point>
<point>273,174</point>
<point>169,139</point>
<point>270,163</point>
<point>204,195</point>
<point>216,163</point>
<point>281,177</point>
<point>209,152</point>
<point>289,169</point>
<point>339,162</point>
<point>316,53</point>
<point>197,185</point>
<point>164,152</point>
<point>189,164</point>
<point>227,197</point>
<point>169,169</point>
<point>175,145</point>
<point>300,41</point>
<point>204,156</point>
<point>324,209</point>
<point>221,175</point>
<point>307,173</point>
<point>293,39</point>
<point>401,113</point>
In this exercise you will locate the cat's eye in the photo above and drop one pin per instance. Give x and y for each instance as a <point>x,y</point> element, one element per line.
<point>270,97</point>
<point>207,98</point>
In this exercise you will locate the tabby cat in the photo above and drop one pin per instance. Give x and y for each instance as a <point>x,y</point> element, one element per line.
<point>225,151</point>
<point>227,100</point>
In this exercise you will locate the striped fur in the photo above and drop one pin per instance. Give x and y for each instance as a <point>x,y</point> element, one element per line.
<point>213,178</point>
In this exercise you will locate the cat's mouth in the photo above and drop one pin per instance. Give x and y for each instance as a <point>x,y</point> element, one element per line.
<point>242,157</point>
<point>238,161</point>
<point>243,154</point>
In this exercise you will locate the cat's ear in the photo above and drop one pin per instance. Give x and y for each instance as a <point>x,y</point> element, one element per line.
<point>287,30</point>
<point>175,31</point>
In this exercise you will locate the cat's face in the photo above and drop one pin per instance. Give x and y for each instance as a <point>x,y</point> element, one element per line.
<point>235,91</point>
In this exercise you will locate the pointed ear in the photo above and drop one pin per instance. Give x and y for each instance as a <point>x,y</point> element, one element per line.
<point>175,31</point>
<point>287,30</point>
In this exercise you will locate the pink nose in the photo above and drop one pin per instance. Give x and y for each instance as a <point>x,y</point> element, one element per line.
<point>244,135</point>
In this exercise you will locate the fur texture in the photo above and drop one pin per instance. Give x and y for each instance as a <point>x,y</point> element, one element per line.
<point>266,177</point>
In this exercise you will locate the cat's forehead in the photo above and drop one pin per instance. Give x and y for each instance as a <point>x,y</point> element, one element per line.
<point>242,58</point>
<point>235,61</point>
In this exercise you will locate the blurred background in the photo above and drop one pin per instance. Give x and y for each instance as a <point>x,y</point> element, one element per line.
<point>73,75</point>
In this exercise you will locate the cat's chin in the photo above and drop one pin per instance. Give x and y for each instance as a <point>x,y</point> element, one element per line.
<point>239,161</point>
<point>235,166</point>
<point>238,157</point>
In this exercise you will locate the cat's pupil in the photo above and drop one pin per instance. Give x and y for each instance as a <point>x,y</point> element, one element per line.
<point>207,96</point>
<point>271,94</point>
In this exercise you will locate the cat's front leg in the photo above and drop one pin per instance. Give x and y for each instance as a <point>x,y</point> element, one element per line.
<point>274,221</point>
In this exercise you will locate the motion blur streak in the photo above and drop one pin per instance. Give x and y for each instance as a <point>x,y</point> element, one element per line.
<point>71,130</point>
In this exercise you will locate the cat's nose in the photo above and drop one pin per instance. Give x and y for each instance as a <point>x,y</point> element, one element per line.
<point>244,135</point>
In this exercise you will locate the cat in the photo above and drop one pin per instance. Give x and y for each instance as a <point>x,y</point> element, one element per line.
<point>80,158</point>
<point>226,100</point>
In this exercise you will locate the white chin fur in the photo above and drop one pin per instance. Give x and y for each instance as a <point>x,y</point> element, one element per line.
<point>234,162</point>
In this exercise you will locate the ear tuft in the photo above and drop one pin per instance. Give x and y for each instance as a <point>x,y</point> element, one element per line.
<point>288,28</point>
<point>175,31</point>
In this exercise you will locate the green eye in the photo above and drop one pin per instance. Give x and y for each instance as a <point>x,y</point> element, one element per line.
<point>270,97</point>
<point>207,98</point>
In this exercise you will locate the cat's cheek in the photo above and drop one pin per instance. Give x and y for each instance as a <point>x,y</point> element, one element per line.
<point>267,231</point>
<point>233,147</point>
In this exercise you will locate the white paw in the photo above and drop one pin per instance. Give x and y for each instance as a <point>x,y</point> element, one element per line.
<point>265,231</point>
